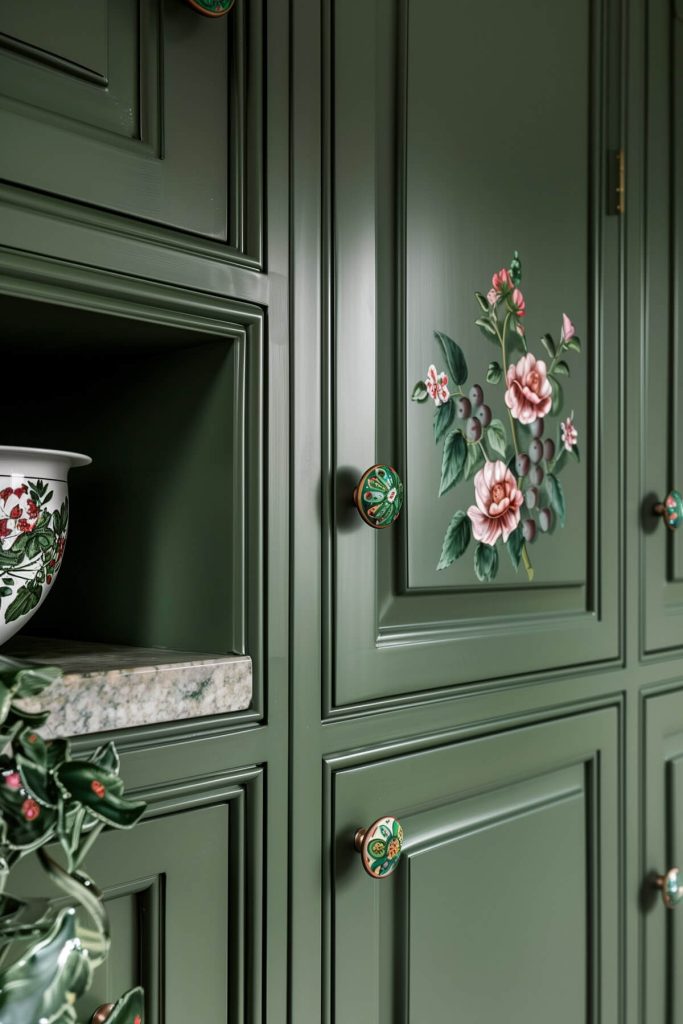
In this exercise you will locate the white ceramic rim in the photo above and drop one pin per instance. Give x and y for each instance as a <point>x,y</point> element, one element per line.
<point>73,459</point>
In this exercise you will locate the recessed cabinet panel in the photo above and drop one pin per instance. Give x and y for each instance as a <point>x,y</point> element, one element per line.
<point>662,384</point>
<point>166,887</point>
<point>435,181</point>
<point>662,848</point>
<point>139,107</point>
<point>505,899</point>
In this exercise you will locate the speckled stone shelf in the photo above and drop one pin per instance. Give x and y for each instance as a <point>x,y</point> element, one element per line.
<point>106,687</point>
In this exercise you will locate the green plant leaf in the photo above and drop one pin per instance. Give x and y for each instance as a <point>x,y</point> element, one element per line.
<point>5,591</point>
<point>473,462</point>
<point>562,368</point>
<point>32,746</point>
<point>483,301</point>
<point>485,562</point>
<point>8,581</point>
<point>107,757</point>
<point>456,540</point>
<point>558,396</point>
<point>496,438</point>
<point>574,344</point>
<point>26,680</point>
<point>100,791</point>
<point>486,328</point>
<point>32,719</point>
<point>515,543</point>
<point>37,781</point>
<point>129,1008</point>
<point>443,418</point>
<point>420,394</point>
<point>494,374</point>
<point>11,559</point>
<point>455,360</point>
<point>453,461</point>
<point>549,345</point>
<point>556,497</point>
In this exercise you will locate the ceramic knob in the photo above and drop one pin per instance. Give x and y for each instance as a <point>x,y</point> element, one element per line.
<point>672,891</point>
<point>211,8</point>
<point>380,846</point>
<point>379,496</point>
<point>102,1013</point>
<point>671,509</point>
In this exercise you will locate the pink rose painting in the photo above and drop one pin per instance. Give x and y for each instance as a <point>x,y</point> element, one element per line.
<point>496,513</point>
<point>502,457</point>
<point>529,394</point>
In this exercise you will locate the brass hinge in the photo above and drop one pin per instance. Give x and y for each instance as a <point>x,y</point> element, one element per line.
<point>621,181</point>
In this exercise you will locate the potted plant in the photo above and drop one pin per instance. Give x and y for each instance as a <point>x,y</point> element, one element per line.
<point>49,800</point>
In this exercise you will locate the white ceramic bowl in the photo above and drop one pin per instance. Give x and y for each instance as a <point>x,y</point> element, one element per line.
<point>34,518</point>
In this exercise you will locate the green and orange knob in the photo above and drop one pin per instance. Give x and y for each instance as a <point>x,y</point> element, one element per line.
<point>379,496</point>
<point>211,8</point>
<point>671,509</point>
<point>672,890</point>
<point>380,846</point>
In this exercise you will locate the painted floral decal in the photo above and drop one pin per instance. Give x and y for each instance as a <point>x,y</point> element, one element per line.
<point>515,467</point>
<point>32,542</point>
<point>384,847</point>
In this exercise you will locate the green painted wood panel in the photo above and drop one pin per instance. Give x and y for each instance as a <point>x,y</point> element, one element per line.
<point>662,373</point>
<point>425,205</point>
<point>506,903</point>
<point>144,113</point>
<point>661,849</point>
<point>171,914</point>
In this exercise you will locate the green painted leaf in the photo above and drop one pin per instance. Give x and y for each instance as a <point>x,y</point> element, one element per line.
<point>474,461</point>
<point>562,368</point>
<point>32,719</point>
<point>11,559</point>
<point>496,438</point>
<point>8,581</point>
<point>485,562</point>
<point>556,497</point>
<point>56,752</point>
<point>574,344</point>
<point>455,360</point>
<point>494,374</point>
<point>456,540</point>
<point>515,543</point>
<point>5,591</point>
<point>486,328</point>
<point>549,345</point>
<point>443,418</point>
<point>25,601</point>
<point>420,393</point>
<point>558,396</point>
<point>100,791</point>
<point>483,301</point>
<point>516,270</point>
<point>453,462</point>
<point>32,746</point>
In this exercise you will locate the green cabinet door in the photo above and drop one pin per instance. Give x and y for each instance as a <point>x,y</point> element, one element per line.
<point>661,382</point>
<point>175,917</point>
<point>459,133</point>
<point>140,108</point>
<point>662,849</point>
<point>504,906</point>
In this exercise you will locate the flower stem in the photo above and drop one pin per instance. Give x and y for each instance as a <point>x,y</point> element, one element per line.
<point>501,338</point>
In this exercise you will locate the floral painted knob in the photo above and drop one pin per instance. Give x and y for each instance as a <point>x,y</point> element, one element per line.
<point>379,496</point>
<point>672,891</point>
<point>211,8</point>
<point>380,846</point>
<point>671,509</point>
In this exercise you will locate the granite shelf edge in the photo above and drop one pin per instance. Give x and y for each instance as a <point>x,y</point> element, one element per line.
<point>107,687</point>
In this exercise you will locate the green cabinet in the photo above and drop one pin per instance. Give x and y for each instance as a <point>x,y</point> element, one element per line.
<point>142,108</point>
<point>505,905</point>
<point>429,197</point>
